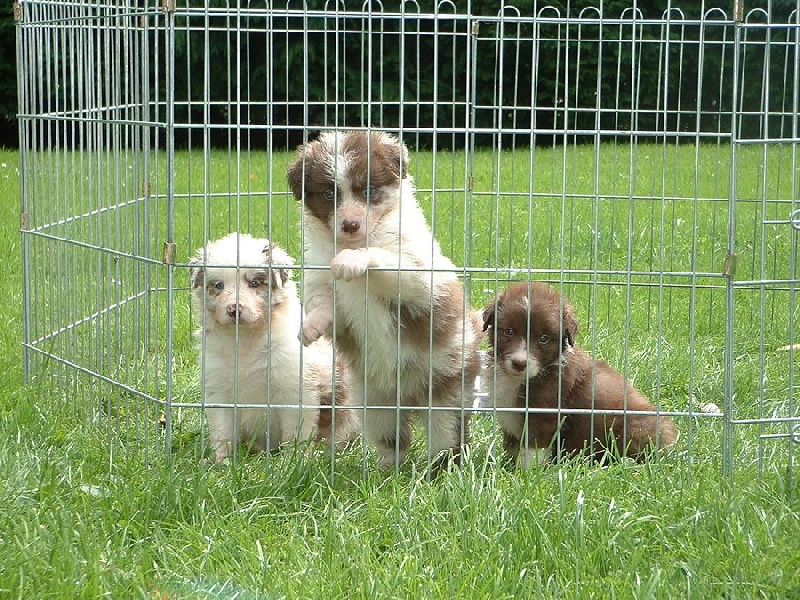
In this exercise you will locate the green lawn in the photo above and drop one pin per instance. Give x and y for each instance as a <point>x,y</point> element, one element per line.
<point>90,505</point>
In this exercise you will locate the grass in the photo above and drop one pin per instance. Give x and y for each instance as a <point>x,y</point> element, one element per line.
<point>90,505</point>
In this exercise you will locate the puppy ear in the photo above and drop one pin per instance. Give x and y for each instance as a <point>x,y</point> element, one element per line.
<point>295,172</point>
<point>397,154</point>
<point>488,315</point>
<point>196,272</point>
<point>403,162</point>
<point>279,275</point>
<point>570,325</point>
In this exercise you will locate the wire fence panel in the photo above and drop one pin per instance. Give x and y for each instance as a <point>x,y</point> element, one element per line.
<point>642,163</point>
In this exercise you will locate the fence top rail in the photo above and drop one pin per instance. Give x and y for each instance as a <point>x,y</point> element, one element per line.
<point>52,11</point>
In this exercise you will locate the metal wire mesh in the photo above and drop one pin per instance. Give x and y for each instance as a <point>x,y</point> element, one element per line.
<point>645,164</point>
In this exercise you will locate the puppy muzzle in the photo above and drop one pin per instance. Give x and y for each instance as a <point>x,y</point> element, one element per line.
<point>521,366</point>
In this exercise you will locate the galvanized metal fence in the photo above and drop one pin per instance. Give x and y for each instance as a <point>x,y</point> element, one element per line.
<point>644,163</point>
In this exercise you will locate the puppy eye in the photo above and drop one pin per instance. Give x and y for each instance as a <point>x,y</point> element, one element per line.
<point>219,285</point>
<point>254,283</point>
<point>368,191</point>
<point>329,194</point>
<point>508,331</point>
<point>544,339</point>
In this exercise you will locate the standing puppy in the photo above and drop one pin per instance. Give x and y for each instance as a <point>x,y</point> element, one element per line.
<point>532,331</point>
<point>401,319</point>
<point>249,316</point>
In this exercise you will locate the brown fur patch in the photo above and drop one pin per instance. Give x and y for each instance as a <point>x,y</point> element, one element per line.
<point>378,158</point>
<point>415,321</point>
<point>537,309</point>
<point>375,160</point>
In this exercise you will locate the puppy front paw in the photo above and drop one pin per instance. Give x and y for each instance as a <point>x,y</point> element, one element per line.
<point>316,325</point>
<point>349,264</point>
<point>222,452</point>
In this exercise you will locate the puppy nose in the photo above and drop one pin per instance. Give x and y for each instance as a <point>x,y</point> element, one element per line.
<point>234,310</point>
<point>351,225</point>
<point>519,363</point>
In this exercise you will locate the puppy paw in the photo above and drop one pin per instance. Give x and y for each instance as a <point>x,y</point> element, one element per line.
<point>386,461</point>
<point>349,264</point>
<point>223,453</point>
<point>315,326</point>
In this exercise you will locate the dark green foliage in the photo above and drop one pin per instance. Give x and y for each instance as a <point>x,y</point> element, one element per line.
<point>261,78</point>
<point>666,74</point>
<point>8,77</point>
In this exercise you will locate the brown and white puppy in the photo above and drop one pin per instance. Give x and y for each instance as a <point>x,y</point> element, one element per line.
<point>532,330</point>
<point>249,315</point>
<point>401,319</point>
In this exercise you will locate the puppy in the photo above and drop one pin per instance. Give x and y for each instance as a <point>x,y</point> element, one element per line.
<point>398,313</point>
<point>249,316</point>
<point>538,366</point>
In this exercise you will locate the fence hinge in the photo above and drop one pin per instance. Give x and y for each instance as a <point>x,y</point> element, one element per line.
<point>471,183</point>
<point>730,266</point>
<point>24,221</point>
<point>476,27</point>
<point>146,188</point>
<point>17,11</point>
<point>168,6</point>
<point>170,251</point>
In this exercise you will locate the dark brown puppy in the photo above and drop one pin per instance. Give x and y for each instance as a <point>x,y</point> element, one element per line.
<point>532,331</point>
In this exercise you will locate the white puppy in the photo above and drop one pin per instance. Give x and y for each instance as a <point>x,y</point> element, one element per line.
<point>401,319</point>
<point>260,385</point>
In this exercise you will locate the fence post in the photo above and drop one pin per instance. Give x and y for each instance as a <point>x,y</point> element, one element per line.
<point>169,243</point>
<point>23,109</point>
<point>729,270</point>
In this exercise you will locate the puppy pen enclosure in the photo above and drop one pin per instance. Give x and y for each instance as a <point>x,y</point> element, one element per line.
<point>645,163</point>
